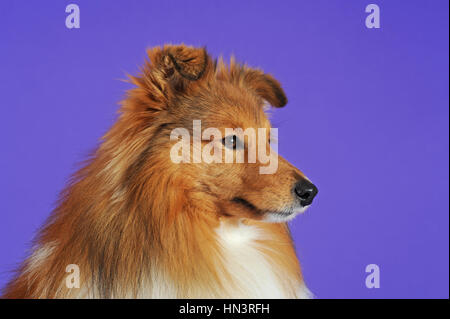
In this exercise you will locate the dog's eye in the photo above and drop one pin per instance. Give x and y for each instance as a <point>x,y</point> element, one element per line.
<point>231,142</point>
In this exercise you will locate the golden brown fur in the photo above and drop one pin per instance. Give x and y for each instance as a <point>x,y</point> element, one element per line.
<point>130,214</point>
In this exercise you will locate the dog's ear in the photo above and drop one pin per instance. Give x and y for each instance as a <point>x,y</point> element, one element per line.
<point>260,83</point>
<point>171,70</point>
<point>179,66</point>
<point>265,86</point>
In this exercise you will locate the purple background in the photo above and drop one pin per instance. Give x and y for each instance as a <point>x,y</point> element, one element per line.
<point>367,119</point>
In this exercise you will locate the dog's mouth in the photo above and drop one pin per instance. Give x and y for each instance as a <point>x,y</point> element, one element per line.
<point>273,215</point>
<point>245,203</point>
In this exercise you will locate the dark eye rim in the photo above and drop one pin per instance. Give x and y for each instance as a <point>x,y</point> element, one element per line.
<point>235,139</point>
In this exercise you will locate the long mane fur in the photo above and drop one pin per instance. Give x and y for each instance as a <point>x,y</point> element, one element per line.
<point>127,218</point>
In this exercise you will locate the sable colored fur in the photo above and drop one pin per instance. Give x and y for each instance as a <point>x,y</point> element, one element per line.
<point>138,225</point>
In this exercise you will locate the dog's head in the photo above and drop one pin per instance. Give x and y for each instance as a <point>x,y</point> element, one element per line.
<point>206,124</point>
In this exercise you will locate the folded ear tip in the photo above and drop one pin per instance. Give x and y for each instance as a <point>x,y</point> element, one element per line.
<point>282,100</point>
<point>190,62</point>
<point>279,98</point>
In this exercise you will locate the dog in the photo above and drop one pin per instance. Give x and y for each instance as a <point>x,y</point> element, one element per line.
<point>134,224</point>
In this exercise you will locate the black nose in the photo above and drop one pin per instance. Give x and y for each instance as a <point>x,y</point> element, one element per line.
<point>305,191</point>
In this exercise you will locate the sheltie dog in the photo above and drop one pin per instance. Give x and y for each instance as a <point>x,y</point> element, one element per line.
<point>134,224</point>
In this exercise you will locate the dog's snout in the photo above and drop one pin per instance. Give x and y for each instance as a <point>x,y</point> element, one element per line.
<point>305,191</point>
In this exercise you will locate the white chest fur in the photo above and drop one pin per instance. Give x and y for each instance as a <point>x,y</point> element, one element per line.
<point>250,273</point>
<point>253,274</point>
